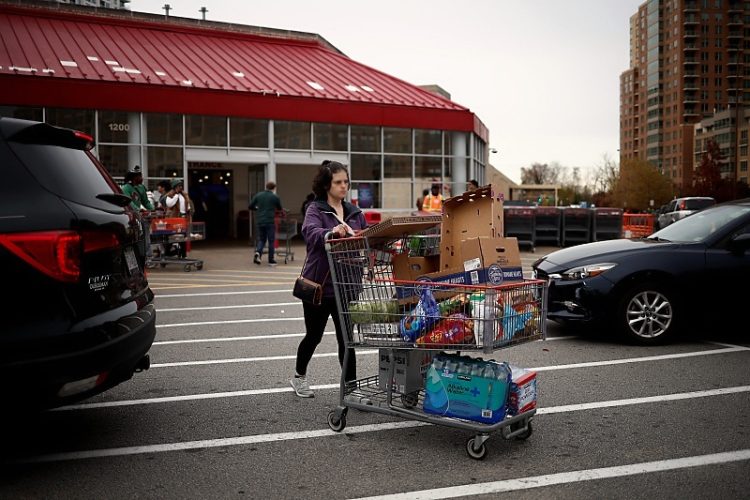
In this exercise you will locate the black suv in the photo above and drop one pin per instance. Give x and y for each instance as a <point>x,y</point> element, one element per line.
<point>77,317</point>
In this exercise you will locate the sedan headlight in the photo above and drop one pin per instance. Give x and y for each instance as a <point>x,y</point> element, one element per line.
<point>584,272</point>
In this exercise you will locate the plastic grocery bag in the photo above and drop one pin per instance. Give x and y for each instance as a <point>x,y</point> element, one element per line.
<point>425,315</point>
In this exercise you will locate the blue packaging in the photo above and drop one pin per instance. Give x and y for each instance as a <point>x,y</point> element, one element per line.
<point>471,389</point>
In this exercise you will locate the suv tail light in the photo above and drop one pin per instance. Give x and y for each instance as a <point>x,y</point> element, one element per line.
<point>57,253</point>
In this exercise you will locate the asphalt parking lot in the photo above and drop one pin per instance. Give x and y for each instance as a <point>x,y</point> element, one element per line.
<point>215,417</point>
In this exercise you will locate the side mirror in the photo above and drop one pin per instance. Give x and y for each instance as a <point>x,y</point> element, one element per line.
<point>740,243</point>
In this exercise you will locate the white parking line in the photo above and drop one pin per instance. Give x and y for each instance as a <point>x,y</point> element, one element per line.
<point>214,308</point>
<point>228,322</point>
<point>526,483</point>
<point>235,339</point>
<point>587,364</point>
<point>215,294</point>
<point>289,436</point>
<point>194,397</point>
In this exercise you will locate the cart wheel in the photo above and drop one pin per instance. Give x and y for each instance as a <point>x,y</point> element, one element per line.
<point>476,454</point>
<point>336,421</point>
<point>199,266</point>
<point>524,435</point>
<point>162,265</point>
<point>187,268</point>
<point>410,400</point>
<point>292,257</point>
<point>286,260</point>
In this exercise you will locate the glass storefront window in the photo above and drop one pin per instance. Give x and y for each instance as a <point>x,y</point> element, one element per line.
<point>365,167</point>
<point>397,140</point>
<point>330,137</point>
<point>22,112</point>
<point>428,142</point>
<point>77,119</point>
<point>244,133</point>
<point>164,162</point>
<point>368,194</point>
<point>119,126</point>
<point>205,130</point>
<point>163,129</point>
<point>397,167</point>
<point>291,135</point>
<point>428,167</point>
<point>365,138</point>
<point>119,159</point>
<point>398,194</point>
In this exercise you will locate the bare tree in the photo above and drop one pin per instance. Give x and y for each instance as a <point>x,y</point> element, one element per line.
<point>541,173</point>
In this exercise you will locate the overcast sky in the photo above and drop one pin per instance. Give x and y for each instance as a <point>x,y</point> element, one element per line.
<point>543,75</point>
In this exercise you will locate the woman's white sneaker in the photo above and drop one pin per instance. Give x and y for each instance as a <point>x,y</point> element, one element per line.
<point>302,387</point>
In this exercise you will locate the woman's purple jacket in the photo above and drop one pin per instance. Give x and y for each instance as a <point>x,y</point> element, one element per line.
<point>320,219</point>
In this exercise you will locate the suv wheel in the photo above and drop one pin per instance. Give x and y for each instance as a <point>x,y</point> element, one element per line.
<point>647,313</point>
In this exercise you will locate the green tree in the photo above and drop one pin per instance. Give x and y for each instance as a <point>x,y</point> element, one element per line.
<point>639,183</point>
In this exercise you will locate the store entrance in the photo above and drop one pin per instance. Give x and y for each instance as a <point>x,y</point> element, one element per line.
<point>211,190</point>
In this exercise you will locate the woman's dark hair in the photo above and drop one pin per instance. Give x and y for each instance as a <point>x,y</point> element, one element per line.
<point>165,184</point>
<point>130,176</point>
<point>322,181</point>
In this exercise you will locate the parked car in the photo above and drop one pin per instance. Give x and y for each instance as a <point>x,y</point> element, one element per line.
<point>679,208</point>
<point>77,313</point>
<point>689,274</point>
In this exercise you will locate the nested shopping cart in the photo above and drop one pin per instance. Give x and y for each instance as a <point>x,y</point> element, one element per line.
<point>421,328</point>
<point>170,242</point>
<point>286,229</point>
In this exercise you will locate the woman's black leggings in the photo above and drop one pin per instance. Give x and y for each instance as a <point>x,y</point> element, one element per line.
<point>316,318</point>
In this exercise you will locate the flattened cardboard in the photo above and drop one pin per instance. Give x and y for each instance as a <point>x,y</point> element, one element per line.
<point>400,227</point>
<point>470,215</point>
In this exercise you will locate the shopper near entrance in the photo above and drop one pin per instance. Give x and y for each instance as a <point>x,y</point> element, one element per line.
<point>433,202</point>
<point>163,188</point>
<point>265,203</point>
<point>178,202</point>
<point>328,213</point>
<point>136,191</point>
<point>420,200</point>
<point>473,185</point>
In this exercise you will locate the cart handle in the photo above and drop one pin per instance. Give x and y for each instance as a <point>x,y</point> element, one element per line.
<point>511,285</point>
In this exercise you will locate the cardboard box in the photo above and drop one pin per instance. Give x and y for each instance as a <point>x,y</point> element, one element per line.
<point>410,268</point>
<point>409,373</point>
<point>470,215</point>
<point>483,251</point>
<point>491,261</point>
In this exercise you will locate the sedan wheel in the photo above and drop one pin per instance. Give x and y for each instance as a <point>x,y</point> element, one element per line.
<point>648,313</point>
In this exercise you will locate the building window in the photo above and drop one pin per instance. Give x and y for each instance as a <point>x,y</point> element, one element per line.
<point>119,159</point>
<point>291,135</point>
<point>205,130</point>
<point>330,137</point>
<point>743,166</point>
<point>119,127</point>
<point>365,167</point>
<point>428,168</point>
<point>164,162</point>
<point>367,194</point>
<point>397,167</point>
<point>428,142</point>
<point>397,140</point>
<point>22,112</point>
<point>244,133</point>
<point>163,129</point>
<point>365,138</point>
<point>77,119</point>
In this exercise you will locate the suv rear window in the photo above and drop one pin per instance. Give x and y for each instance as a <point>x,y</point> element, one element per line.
<point>72,174</point>
<point>698,204</point>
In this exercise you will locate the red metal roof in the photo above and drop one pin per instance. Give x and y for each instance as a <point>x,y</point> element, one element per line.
<point>56,58</point>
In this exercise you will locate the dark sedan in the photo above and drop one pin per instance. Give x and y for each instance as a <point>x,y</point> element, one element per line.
<point>693,273</point>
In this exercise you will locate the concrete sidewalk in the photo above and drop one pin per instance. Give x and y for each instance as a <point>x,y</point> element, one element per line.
<point>239,255</point>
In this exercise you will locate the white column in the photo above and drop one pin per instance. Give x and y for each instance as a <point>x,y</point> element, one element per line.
<point>458,146</point>
<point>134,141</point>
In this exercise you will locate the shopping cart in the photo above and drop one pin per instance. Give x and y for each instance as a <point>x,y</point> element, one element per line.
<point>286,229</point>
<point>413,324</point>
<point>170,242</point>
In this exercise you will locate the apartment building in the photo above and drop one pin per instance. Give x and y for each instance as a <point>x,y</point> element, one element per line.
<point>689,59</point>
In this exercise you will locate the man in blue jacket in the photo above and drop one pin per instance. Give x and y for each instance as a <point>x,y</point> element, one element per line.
<point>265,203</point>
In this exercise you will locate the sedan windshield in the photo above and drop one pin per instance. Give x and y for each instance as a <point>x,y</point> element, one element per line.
<point>701,225</point>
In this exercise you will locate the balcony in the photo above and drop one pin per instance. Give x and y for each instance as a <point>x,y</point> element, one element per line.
<point>690,73</point>
<point>735,34</point>
<point>690,99</point>
<point>691,19</point>
<point>689,61</point>
<point>690,7</point>
<point>689,47</point>
<point>735,21</point>
<point>733,61</point>
<point>689,34</point>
